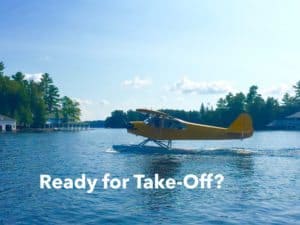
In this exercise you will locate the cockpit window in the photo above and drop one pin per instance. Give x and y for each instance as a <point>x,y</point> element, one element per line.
<point>158,122</point>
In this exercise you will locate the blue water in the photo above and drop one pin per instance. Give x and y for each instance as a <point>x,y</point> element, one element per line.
<point>261,184</point>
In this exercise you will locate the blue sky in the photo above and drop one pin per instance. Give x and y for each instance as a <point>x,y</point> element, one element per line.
<point>154,54</point>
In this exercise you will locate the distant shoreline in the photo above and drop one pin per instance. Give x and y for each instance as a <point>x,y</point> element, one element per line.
<point>50,130</point>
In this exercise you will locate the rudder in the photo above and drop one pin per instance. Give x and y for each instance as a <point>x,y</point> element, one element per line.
<point>242,124</point>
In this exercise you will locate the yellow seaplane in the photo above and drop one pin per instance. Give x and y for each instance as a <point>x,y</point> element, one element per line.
<point>161,128</point>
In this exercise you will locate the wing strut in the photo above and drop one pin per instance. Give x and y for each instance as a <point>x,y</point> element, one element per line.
<point>162,144</point>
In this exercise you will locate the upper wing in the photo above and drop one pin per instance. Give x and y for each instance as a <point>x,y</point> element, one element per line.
<point>154,113</point>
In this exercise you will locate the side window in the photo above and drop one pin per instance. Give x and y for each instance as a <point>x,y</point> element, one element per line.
<point>153,121</point>
<point>173,124</point>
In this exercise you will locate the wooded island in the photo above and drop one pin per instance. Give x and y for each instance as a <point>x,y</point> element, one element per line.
<point>31,103</point>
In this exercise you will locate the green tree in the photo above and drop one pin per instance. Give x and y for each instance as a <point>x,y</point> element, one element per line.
<point>19,77</point>
<point>202,109</point>
<point>289,105</point>
<point>287,100</point>
<point>134,116</point>
<point>20,103</point>
<point>227,110</point>
<point>297,93</point>
<point>251,96</point>
<point>1,68</point>
<point>50,93</point>
<point>70,110</point>
<point>38,106</point>
<point>271,110</point>
<point>118,119</point>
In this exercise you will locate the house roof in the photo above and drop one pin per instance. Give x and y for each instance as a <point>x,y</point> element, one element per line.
<point>294,116</point>
<point>6,118</point>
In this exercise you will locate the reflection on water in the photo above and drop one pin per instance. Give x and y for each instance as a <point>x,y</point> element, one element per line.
<point>167,163</point>
<point>245,165</point>
<point>167,167</point>
<point>261,178</point>
<point>136,149</point>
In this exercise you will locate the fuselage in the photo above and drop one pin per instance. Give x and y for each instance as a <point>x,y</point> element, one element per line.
<point>189,131</point>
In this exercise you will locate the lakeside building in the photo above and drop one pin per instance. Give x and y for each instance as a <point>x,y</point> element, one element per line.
<point>7,124</point>
<point>291,122</point>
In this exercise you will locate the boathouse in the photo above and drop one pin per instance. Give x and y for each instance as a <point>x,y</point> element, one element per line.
<point>291,122</point>
<point>7,123</point>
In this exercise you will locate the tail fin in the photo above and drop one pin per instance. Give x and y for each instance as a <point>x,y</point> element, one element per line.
<point>243,125</point>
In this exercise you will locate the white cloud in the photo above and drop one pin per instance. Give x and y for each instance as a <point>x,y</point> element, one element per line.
<point>104,102</point>
<point>186,86</point>
<point>278,90</point>
<point>92,109</point>
<point>180,99</point>
<point>164,98</point>
<point>45,58</point>
<point>36,77</point>
<point>137,82</point>
<point>83,101</point>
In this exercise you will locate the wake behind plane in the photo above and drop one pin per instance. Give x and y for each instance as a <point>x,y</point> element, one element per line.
<point>161,128</point>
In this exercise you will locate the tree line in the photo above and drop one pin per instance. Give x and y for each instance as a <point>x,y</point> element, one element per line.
<point>32,103</point>
<point>263,111</point>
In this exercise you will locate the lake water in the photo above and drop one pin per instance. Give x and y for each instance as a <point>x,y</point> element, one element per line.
<point>261,179</point>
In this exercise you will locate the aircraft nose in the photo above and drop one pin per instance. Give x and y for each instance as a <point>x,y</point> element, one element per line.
<point>130,126</point>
